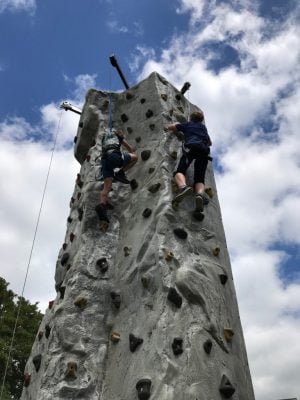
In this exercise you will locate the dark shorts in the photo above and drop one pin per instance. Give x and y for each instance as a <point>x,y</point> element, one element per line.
<point>114,160</point>
<point>200,164</point>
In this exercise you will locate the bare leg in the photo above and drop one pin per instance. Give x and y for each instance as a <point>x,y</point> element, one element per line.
<point>180,180</point>
<point>134,159</point>
<point>199,188</point>
<point>105,191</point>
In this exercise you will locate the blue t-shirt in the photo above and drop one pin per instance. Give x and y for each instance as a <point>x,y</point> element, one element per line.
<point>194,132</point>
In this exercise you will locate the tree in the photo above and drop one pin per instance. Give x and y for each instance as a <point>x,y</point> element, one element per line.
<point>28,323</point>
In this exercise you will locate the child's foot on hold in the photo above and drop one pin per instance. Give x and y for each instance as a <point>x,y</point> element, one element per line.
<point>121,177</point>
<point>183,192</point>
<point>199,202</point>
<point>101,212</point>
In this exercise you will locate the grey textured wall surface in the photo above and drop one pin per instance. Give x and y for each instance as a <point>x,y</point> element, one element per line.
<point>138,277</point>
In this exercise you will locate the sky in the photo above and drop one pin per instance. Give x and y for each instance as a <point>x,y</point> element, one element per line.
<point>242,60</point>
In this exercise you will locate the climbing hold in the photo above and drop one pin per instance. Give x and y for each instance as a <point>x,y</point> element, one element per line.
<point>127,251</point>
<point>72,200</point>
<point>177,346</point>
<point>143,388</point>
<point>37,362</point>
<point>164,97</point>
<point>129,130</point>
<point>40,335</point>
<point>69,220</point>
<point>124,118</point>
<point>171,112</point>
<point>115,337</point>
<point>26,379</point>
<point>207,346</point>
<point>134,342</point>
<point>62,290</point>
<point>216,251</point>
<point>64,246</point>
<point>102,264</point>
<point>228,334</point>
<point>173,155</point>
<point>115,299</point>
<point>166,115</point>
<point>129,96</point>
<point>181,109</point>
<point>181,233</point>
<point>133,184</point>
<point>68,267</point>
<point>80,302</point>
<point>147,212</point>
<point>151,169</point>
<point>178,97</point>
<point>72,237</point>
<point>138,139</point>
<point>80,124</point>
<point>143,101</point>
<point>145,279</point>
<point>75,139</point>
<point>169,256</point>
<point>50,304</point>
<point>88,157</point>
<point>80,213</point>
<point>154,188</point>
<point>71,370</point>
<point>93,143</point>
<point>223,278</point>
<point>209,191</point>
<point>198,215</point>
<point>64,258</point>
<point>47,331</point>
<point>79,181</point>
<point>145,155</point>
<point>149,113</point>
<point>174,297</point>
<point>226,388</point>
<point>152,127</point>
<point>78,195</point>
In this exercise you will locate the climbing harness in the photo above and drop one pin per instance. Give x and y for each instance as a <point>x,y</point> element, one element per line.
<point>30,256</point>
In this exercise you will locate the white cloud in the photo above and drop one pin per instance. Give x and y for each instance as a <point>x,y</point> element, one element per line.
<point>18,5</point>
<point>115,27</point>
<point>252,114</point>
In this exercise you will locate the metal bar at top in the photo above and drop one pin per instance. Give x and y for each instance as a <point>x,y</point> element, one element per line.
<point>185,87</point>
<point>115,64</point>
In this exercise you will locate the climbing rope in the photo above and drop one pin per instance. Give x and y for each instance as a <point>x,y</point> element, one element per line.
<point>30,255</point>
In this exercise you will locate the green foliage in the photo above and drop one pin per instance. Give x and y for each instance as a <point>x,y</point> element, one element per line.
<point>28,323</point>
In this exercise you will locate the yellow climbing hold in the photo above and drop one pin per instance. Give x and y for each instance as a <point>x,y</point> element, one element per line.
<point>228,334</point>
<point>209,192</point>
<point>216,251</point>
<point>115,337</point>
<point>169,256</point>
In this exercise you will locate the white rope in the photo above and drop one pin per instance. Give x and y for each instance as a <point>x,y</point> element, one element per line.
<point>30,256</point>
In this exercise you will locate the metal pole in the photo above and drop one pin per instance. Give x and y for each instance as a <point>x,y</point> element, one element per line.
<point>115,64</point>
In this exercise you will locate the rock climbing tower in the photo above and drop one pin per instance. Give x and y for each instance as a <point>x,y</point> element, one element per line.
<point>147,308</point>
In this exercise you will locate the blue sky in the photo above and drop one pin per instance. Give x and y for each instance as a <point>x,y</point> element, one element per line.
<point>242,59</point>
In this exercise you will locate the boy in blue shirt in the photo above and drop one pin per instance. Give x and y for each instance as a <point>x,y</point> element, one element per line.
<point>196,146</point>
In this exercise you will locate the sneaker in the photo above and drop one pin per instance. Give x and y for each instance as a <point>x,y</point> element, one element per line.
<point>121,177</point>
<point>199,202</point>
<point>101,212</point>
<point>183,192</point>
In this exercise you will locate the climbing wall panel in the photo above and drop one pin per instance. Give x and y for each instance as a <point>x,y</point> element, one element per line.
<point>146,307</point>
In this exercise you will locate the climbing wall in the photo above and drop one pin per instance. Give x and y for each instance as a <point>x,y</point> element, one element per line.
<point>147,308</point>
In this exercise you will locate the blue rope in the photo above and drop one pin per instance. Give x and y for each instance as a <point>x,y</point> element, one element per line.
<point>110,113</point>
